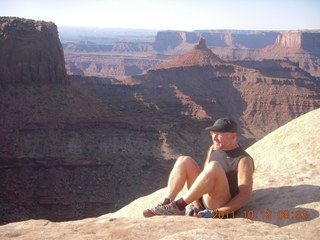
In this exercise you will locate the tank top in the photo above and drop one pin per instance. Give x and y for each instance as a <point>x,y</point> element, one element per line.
<point>229,161</point>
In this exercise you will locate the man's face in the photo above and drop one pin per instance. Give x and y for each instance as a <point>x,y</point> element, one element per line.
<point>222,140</point>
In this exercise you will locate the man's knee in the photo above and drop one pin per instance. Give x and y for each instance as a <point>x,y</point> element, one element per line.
<point>213,167</point>
<point>186,162</point>
<point>182,160</point>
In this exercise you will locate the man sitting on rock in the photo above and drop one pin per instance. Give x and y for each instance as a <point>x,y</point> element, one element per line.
<point>224,185</point>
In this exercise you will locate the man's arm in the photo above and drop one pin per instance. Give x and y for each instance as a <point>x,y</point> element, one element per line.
<point>245,182</point>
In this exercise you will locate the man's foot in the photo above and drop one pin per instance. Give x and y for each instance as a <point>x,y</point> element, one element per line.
<point>165,202</point>
<point>168,209</point>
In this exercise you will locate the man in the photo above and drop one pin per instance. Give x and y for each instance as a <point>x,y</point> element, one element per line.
<point>224,185</point>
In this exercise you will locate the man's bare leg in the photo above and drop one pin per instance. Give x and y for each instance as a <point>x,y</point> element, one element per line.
<point>212,184</point>
<point>185,170</point>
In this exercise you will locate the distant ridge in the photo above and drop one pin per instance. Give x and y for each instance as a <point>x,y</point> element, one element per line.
<point>200,55</point>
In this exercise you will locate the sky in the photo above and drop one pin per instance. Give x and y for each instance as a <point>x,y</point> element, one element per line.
<point>187,15</point>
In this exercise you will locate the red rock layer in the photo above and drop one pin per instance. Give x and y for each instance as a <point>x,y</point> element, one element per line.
<point>30,52</point>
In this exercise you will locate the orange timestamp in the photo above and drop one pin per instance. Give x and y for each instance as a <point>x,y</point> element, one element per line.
<point>265,214</point>
<point>280,214</point>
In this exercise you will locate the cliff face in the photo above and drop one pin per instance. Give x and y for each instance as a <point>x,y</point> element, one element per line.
<point>298,39</point>
<point>289,39</point>
<point>30,52</point>
<point>311,42</point>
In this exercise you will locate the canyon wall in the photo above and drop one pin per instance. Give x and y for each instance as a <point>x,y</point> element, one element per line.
<point>166,40</point>
<point>311,42</point>
<point>298,39</point>
<point>30,52</point>
<point>290,39</point>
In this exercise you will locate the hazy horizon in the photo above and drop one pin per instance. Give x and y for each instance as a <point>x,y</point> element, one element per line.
<point>184,15</point>
<point>211,29</point>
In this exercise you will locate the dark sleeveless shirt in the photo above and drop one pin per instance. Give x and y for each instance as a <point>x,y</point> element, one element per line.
<point>229,161</point>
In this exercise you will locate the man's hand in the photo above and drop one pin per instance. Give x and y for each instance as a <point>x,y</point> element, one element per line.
<point>207,214</point>
<point>192,211</point>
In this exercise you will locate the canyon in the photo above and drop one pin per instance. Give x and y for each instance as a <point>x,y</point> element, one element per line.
<point>108,57</point>
<point>81,146</point>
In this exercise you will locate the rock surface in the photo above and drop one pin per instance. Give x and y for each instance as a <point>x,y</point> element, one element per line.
<point>285,202</point>
<point>298,39</point>
<point>30,52</point>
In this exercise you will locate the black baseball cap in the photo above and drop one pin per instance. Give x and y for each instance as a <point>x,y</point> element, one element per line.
<point>223,125</point>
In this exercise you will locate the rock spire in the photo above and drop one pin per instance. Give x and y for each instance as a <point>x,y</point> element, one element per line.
<point>201,44</point>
